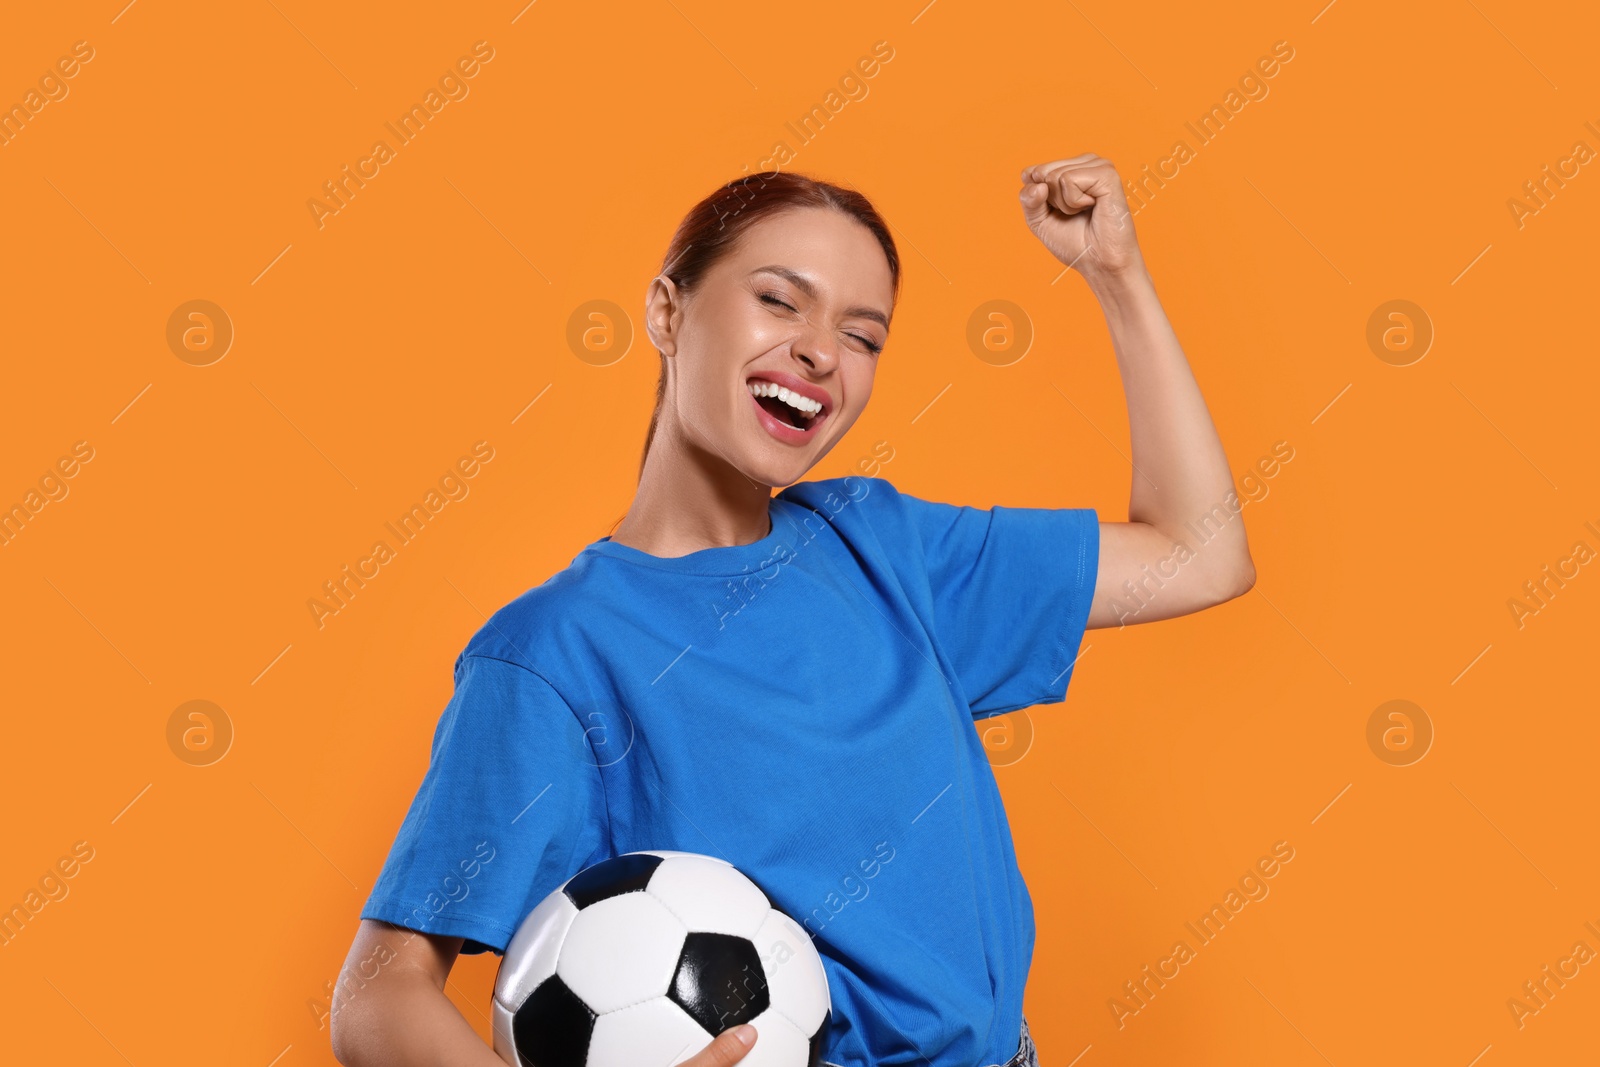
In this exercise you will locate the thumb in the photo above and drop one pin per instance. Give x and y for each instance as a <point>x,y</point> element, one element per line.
<point>729,1048</point>
<point>1035,200</point>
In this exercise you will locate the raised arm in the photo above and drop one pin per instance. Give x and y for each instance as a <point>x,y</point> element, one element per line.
<point>1183,548</point>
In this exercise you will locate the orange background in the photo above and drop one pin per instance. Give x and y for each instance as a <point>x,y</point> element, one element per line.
<point>372,352</point>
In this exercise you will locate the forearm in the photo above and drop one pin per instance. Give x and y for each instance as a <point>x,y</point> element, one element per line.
<point>1181,482</point>
<point>414,1023</point>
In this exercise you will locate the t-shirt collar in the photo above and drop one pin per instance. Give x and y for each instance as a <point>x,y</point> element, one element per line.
<point>721,561</point>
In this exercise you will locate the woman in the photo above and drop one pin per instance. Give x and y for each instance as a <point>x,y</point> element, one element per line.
<point>791,682</point>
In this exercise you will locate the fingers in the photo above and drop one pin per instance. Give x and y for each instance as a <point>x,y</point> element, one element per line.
<point>729,1048</point>
<point>1042,171</point>
<point>1069,192</point>
<point>1033,199</point>
<point>1072,185</point>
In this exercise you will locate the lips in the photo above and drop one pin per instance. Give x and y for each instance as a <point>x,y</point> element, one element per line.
<point>796,385</point>
<point>778,427</point>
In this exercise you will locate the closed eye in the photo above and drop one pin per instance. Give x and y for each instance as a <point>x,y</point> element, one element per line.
<point>871,345</point>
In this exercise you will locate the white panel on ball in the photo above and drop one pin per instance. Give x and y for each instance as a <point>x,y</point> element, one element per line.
<point>795,979</point>
<point>709,896</point>
<point>633,1036</point>
<point>531,956</point>
<point>665,854</point>
<point>621,951</point>
<point>780,1044</point>
<point>505,1042</point>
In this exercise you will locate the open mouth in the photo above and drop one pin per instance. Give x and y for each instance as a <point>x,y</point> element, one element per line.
<point>788,409</point>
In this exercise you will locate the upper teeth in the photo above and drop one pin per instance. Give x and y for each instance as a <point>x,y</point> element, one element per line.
<point>788,396</point>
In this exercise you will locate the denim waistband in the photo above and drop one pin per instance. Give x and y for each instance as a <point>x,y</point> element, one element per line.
<point>1026,1055</point>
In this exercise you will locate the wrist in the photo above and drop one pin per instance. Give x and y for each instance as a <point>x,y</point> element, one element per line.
<point>1118,288</point>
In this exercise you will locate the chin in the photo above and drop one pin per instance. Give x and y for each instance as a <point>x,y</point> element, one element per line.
<point>779,473</point>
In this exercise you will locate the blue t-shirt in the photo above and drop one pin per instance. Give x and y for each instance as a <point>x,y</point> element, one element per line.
<point>802,707</point>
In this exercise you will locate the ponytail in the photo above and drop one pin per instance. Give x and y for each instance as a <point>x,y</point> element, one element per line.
<point>655,416</point>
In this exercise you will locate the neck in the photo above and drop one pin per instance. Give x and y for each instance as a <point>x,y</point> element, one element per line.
<point>690,500</point>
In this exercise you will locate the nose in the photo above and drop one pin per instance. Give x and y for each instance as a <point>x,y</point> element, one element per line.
<point>818,348</point>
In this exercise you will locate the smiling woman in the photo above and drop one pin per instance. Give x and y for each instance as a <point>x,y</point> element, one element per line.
<point>803,209</point>
<point>855,637</point>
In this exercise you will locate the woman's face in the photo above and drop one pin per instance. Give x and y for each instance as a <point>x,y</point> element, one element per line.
<point>803,302</point>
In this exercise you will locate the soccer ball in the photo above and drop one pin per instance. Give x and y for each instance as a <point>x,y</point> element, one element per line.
<point>644,958</point>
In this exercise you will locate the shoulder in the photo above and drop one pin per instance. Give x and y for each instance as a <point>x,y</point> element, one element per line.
<point>881,525</point>
<point>854,495</point>
<point>871,507</point>
<point>540,627</point>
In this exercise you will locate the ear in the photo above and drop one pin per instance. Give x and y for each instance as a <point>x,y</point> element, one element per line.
<point>663,311</point>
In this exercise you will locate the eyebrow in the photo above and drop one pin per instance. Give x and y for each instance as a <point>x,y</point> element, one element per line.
<point>802,283</point>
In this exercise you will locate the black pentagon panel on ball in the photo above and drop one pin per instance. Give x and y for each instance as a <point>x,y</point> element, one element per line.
<point>819,1039</point>
<point>612,877</point>
<point>719,981</point>
<point>553,1026</point>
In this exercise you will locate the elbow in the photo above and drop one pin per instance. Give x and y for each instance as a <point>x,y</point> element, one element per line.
<point>1237,582</point>
<point>346,1033</point>
<point>342,1042</point>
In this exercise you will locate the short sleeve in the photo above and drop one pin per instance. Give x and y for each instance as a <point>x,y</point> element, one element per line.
<point>511,806</point>
<point>1011,591</point>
